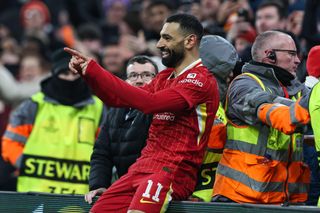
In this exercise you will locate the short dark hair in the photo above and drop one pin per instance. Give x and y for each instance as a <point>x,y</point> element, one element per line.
<point>89,31</point>
<point>166,3</point>
<point>189,24</point>
<point>143,59</point>
<point>281,9</point>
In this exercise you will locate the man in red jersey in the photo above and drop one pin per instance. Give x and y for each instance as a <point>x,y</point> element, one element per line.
<point>183,100</point>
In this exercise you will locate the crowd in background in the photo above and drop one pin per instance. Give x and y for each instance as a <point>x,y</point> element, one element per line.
<point>113,31</point>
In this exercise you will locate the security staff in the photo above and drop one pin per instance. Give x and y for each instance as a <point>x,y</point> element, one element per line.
<point>262,158</point>
<point>50,136</point>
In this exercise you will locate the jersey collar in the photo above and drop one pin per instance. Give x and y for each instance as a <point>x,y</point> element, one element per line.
<point>194,64</point>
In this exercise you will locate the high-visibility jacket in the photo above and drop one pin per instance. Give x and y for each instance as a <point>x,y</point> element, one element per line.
<point>207,172</point>
<point>261,164</point>
<point>56,154</point>
<point>314,110</point>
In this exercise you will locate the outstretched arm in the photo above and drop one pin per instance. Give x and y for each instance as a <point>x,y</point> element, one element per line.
<point>115,92</point>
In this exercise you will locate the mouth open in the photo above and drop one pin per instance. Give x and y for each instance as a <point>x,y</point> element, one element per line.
<point>165,53</point>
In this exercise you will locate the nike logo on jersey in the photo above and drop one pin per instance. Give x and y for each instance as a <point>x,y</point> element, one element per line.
<point>142,200</point>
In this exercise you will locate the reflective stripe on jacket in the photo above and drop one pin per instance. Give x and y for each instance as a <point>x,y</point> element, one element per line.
<point>261,164</point>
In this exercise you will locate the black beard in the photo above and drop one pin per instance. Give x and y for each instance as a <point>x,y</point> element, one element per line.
<point>174,58</point>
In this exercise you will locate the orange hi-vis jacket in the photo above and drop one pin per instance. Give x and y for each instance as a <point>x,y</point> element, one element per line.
<point>262,160</point>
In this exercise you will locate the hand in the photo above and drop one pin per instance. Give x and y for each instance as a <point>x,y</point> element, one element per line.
<point>78,62</point>
<point>136,44</point>
<point>90,195</point>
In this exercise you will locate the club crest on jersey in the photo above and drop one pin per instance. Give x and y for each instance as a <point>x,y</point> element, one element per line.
<point>191,75</point>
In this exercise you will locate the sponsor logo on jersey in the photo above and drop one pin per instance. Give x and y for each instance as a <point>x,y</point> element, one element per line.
<point>191,75</point>
<point>192,81</point>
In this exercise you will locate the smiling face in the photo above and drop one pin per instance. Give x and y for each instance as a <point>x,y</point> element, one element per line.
<point>171,45</point>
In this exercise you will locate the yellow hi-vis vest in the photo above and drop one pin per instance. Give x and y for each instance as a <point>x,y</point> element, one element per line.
<point>252,181</point>
<point>314,110</point>
<point>57,154</point>
<point>207,171</point>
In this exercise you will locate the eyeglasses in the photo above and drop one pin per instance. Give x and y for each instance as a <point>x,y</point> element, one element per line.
<point>293,53</point>
<point>146,76</point>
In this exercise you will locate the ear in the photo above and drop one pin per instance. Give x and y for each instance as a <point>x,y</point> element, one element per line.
<point>190,41</point>
<point>270,57</point>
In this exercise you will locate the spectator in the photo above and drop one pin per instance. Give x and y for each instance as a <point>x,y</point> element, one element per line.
<point>262,158</point>
<point>270,15</point>
<point>90,39</point>
<point>221,62</point>
<point>220,57</point>
<point>54,131</point>
<point>159,10</point>
<point>115,11</point>
<point>32,67</point>
<point>294,23</point>
<point>313,67</point>
<point>183,99</point>
<point>123,134</point>
<point>12,91</point>
<point>310,23</point>
<point>209,10</point>
<point>113,59</point>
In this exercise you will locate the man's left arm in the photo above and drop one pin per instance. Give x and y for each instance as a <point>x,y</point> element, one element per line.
<point>287,119</point>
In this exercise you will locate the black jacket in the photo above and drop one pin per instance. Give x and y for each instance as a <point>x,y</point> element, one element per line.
<point>119,144</point>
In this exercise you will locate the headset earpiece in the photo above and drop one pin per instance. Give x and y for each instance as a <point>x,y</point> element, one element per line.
<point>272,56</point>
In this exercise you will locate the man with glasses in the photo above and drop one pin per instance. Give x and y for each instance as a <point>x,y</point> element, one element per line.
<point>262,160</point>
<point>123,134</point>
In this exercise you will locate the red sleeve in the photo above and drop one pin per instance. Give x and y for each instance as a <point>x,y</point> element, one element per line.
<point>115,92</point>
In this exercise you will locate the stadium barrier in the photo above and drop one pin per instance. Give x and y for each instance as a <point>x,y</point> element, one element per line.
<point>47,203</point>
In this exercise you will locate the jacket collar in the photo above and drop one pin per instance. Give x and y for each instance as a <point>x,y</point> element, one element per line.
<point>268,71</point>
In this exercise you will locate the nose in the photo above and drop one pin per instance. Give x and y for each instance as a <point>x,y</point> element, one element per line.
<point>159,44</point>
<point>296,60</point>
<point>139,79</point>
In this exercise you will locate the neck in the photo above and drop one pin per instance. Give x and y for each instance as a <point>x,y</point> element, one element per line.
<point>189,58</point>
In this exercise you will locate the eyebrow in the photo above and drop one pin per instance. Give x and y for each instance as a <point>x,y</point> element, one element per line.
<point>165,35</point>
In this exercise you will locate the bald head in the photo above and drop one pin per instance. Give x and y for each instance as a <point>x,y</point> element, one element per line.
<point>267,41</point>
<point>276,48</point>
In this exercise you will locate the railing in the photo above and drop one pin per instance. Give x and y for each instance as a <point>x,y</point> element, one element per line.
<point>40,202</point>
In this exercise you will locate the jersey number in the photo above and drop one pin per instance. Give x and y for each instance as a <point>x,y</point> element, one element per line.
<point>155,197</point>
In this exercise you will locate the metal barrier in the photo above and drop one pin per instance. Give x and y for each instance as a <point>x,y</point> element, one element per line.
<point>47,203</point>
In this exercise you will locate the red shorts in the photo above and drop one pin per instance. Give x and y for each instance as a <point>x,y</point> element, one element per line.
<point>137,191</point>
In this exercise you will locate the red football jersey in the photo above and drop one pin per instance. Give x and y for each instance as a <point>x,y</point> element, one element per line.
<point>183,108</point>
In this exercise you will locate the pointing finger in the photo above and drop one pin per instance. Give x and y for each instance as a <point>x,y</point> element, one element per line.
<point>75,53</point>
